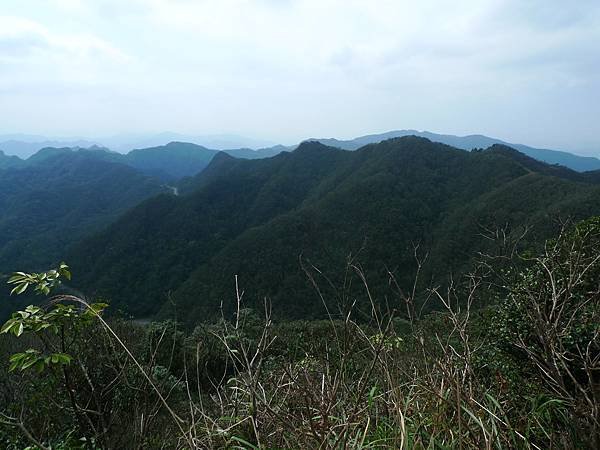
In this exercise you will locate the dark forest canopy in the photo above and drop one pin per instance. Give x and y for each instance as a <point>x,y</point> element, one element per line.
<point>263,219</point>
<point>257,218</point>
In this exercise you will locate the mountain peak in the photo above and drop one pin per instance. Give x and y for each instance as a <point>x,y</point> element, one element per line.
<point>182,144</point>
<point>312,146</point>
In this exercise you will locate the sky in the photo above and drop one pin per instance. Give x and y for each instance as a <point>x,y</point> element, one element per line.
<point>525,71</point>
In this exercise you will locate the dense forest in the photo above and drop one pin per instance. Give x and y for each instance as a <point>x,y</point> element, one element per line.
<point>270,220</point>
<point>406,294</point>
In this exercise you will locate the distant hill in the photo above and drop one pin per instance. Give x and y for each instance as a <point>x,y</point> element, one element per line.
<point>267,152</point>
<point>575,162</point>
<point>9,161</point>
<point>24,146</point>
<point>168,163</point>
<point>174,160</point>
<point>180,159</point>
<point>242,147</point>
<point>256,218</point>
<point>125,142</point>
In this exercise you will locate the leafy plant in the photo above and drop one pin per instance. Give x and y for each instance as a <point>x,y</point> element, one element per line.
<point>42,283</point>
<point>36,320</point>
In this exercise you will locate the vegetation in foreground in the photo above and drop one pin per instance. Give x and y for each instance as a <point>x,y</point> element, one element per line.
<point>522,373</point>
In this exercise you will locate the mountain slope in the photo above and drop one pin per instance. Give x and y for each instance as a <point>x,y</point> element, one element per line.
<point>9,161</point>
<point>157,244</point>
<point>255,218</point>
<point>180,159</point>
<point>174,160</point>
<point>64,196</point>
<point>575,162</point>
<point>24,146</point>
<point>169,162</point>
<point>247,153</point>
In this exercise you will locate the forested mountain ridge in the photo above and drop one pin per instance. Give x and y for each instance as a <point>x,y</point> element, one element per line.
<point>8,161</point>
<point>570,160</point>
<point>174,160</point>
<point>169,162</point>
<point>180,158</point>
<point>167,236</point>
<point>255,218</point>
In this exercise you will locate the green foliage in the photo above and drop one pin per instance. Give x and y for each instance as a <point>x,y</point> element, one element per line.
<point>50,204</point>
<point>41,282</point>
<point>257,218</point>
<point>38,321</point>
<point>32,358</point>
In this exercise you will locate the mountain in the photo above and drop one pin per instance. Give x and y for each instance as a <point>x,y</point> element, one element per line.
<point>248,153</point>
<point>60,194</point>
<point>575,162</point>
<point>24,146</point>
<point>256,218</point>
<point>9,161</point>
<point>180,159</point>
<point>62,197</point>
<point>168,163</point>
<point>174,160</point>
<point>125,142</point>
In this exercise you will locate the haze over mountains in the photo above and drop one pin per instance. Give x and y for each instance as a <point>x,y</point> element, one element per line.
<point>572,161</point>
<point>26,145</point>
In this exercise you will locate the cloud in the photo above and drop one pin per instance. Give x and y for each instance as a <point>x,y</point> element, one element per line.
<point>24,40</point>
<point>291,68</point>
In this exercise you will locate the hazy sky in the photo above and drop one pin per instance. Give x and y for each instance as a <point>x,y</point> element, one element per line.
<point>525,71</point>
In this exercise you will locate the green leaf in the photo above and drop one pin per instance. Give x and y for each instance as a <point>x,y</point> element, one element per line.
<point>7,326</point>
<point>372,396</point>
<point>19,289</point>
<point>31,309</point>
<point>17,357</point>
<point>61,358</point>
<point>30,362</point>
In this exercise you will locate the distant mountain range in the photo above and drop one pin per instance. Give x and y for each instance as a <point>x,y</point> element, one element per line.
<point>575,162</point>
<point>24,146</point>
<point>168,162</point>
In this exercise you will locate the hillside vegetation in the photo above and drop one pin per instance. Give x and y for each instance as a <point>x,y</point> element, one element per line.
<point>270,220</point>
<point>474,141</point>
<point>47,206</point>
<point>517,372</point>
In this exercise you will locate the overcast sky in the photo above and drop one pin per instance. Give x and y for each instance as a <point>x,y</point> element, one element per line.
<point>525,71</point>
